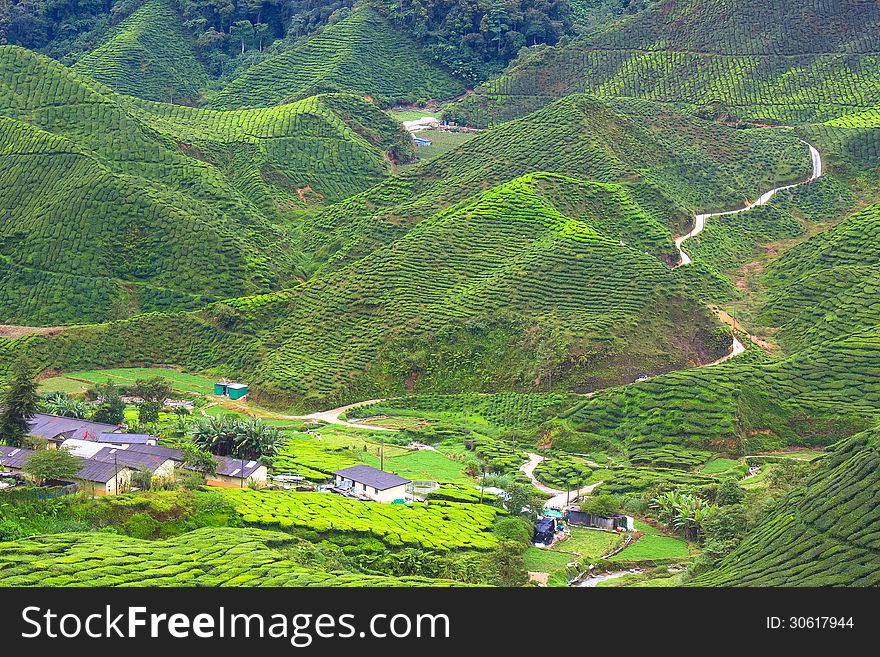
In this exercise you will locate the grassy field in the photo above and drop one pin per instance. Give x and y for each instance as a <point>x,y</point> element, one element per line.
<point>441,142</point>
<point>653,548</point>
<point>77,382</point>
<point>719,465</point>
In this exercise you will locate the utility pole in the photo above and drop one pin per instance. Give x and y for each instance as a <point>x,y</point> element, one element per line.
<point>482,481</point>
<point>382,453</point>
<point>116,475</point>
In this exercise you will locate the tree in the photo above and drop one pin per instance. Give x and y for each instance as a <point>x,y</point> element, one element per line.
<point>153,393</point>
<point>227,436</point>
<point>50,464</point>
<point>58,403</point>
<point>20,403</point>
<point>198,459</point>
<point>601,505</point>
<point>523,498</point>
<point>110,408</point>
<point>243,31</point>
<point>729,492</point>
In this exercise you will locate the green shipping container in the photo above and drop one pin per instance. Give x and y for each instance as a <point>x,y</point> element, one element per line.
<point>219,388</point>
<point>237,390</point>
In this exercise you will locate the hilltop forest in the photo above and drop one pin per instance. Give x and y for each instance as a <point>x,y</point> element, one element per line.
<point>638,239</point>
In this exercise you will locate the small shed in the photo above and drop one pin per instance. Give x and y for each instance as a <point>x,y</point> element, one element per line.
<point>372,483</point>
<point>616,522</point>
<point>236,390</point>
<point>422,141</point>
<point>220,388</point>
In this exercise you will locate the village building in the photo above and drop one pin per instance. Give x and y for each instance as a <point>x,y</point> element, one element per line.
<point>100,478</point>
<point>237,473</point>
<point>57,429</point>
<point>612,523</point>
<point>374,484</point>
<point>128,439</point>
<point>12,458</point>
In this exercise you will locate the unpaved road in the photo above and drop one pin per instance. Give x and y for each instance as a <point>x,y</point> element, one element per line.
<point>560,497</point>
<point>700,219</point>
<point>700,224</point>
<point>332,417</point>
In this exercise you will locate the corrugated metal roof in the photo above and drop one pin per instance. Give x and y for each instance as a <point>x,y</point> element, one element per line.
<point>98,471</point>
<point>53,426</point>
<point>232,467</point>
<point>127,438</point>
<point>14,457</point>
<point>134,460</point>
<point>370,476</point>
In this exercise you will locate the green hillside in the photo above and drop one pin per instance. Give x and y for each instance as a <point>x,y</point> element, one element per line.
<point>669,162</point>
<point>814,397</point>
<point>829,285</point>
<point>751,59</point>
<point>147,55</point>
<point>825,533</point>
<point>360,54</point>
<point>112,205</point>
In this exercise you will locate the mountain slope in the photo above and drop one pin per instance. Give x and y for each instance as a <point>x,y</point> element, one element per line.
<point>147,55</point>
<point>671,162</point>
<point>752,59</point>
<point>360,54</point>
<point>825,533</point>
<point>163,206</point>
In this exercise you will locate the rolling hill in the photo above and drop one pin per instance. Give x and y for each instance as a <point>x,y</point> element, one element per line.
<point>360,54</point>
<point>670,162</point>
<point>761,60</point>
<point>113,205</point>
<point>147,55</point>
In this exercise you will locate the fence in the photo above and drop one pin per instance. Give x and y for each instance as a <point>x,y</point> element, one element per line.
<point>35,494</point>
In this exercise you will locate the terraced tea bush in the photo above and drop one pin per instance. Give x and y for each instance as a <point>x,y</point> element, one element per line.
<point>824,533</point>
<point>638,480</point>
<point>435,526</point>
<point>147,55</point>
<point>816,396</point>
<point>159,207</point>
<point>204,557</point>
<point>360,54</point>
<point>562,472</point>
<point>808,62</point>
<point>503,409</point>
<point>667,456</point>
<point>827,286</point>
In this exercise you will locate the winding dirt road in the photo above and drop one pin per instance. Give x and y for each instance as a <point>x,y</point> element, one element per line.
<point>700,219</point>
<point>700,223</point>
<point>560,497</point>
<point>332,417</point>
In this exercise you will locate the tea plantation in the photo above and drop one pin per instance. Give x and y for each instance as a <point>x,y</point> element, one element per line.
<point>435,526</point>
<point>752,59</point>
<point>825,533</point>
<point>113,205</point>
<point>205,557</point>
<point>147,55</point>
<point>360,54</point>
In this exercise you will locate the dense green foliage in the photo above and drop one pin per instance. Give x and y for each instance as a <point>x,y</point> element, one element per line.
<point>204,557</point>
<point>359,54</point>
<point>751,59</point>
<point>112,205</point>
<point>19,402</point>
<point>147,55</point>
<point>828,286</point>
<point>438,525</point>
<point>823,534</point>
